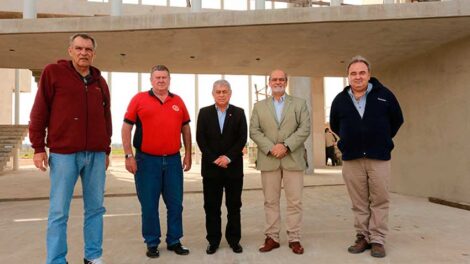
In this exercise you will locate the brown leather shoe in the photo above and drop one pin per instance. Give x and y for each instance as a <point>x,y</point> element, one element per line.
<point>360,245</point>
<point>296,247</point>
<point>377,251</point>
<point>269,244</point>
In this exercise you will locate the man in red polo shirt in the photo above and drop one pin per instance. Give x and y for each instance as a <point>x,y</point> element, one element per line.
<point>160,118</point>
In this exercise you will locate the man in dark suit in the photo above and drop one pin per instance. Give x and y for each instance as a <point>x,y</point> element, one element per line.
<point>221,135</point>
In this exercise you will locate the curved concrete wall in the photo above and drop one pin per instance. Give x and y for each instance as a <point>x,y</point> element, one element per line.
<point>431,158</point>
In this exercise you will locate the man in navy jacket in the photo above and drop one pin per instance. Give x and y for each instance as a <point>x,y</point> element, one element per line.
<point>366,116</point>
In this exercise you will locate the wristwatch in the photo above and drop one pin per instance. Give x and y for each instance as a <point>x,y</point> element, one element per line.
<point>128,156</point>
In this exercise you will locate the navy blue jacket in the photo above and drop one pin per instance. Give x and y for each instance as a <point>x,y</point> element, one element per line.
<point>369,136</point>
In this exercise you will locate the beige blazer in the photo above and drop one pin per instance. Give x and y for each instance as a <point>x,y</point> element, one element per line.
<point>293,130</point>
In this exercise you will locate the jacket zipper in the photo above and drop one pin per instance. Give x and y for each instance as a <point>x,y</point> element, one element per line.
<point>86,113</point>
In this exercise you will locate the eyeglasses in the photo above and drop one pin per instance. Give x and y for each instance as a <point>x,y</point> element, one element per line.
<point>278,79</point>
<point>224,92</point>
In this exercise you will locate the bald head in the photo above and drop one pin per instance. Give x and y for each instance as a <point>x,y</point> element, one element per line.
<point>277,73</point>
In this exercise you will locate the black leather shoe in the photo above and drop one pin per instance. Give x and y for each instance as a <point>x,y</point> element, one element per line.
<point>237,248</point>
<point>211,249</point>
<point>152,252</point>
<point>178,249</point>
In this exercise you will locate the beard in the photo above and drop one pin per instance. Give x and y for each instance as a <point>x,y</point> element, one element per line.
<point>278,89</point>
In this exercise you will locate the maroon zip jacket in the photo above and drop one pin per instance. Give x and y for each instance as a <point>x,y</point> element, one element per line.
<point>74,110</point>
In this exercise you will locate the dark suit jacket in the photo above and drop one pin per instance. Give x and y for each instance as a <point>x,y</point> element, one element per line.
<point>214,144</point>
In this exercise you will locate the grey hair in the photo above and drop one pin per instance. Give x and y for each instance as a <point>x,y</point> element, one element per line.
<point>159,67</point>
<point>359,58</point>
<point>221,83</point>
<point>83,36</point>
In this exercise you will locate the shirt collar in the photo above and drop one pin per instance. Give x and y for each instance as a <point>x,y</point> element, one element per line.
<point>369,88</point>
<point>153,94</point>
<point>217,108</point>
<point>281,100</point>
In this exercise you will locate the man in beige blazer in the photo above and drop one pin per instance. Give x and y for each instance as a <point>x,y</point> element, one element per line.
<point>279,126</point>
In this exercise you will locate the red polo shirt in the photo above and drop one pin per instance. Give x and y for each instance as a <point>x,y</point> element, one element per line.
<point>158,124</point>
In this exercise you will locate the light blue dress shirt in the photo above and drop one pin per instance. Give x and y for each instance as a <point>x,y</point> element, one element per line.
<point>278,107</point>
<point>221,115</point>
<point>361,103</point>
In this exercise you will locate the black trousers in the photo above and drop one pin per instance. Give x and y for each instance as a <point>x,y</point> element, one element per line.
<point>330,153</point>
<point>213,191</point>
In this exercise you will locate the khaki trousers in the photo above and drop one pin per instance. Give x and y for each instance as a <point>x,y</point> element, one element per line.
<point>293,182</point>
<point>367,181</point>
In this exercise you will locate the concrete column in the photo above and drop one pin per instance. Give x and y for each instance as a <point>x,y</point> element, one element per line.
<point>336,2</point>
<point>389,1</point>
<point>197,152</point>
<point>139,82</point>
<point>318,122</point>
<point>16,151</point>
<point>196,6</point>
<point>17,96</point>
<point>250,95</point>
<point>260,4</point>
<point>300,87</point>
<point>29,9</point>
<point>116,7</point>
<point>109,80</point>
<point>250,155</point>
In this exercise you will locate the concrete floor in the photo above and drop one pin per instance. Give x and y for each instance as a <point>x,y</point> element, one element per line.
<point>420,232</point>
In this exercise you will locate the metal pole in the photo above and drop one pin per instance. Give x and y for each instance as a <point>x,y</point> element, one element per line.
<point>139,82</point>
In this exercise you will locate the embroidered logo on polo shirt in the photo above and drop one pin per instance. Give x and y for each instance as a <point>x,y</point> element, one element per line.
<point>176,108</point>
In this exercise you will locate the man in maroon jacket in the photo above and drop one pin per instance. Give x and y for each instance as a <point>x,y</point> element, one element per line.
<point>73,105</point>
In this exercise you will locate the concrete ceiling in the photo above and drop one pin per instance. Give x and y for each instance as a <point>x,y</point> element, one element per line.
<point>303,41</point>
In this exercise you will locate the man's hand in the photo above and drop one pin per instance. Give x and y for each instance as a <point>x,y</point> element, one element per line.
<point>131,165</point>
<point>187,162</point>
<point>40,160</point>
<point>222,161</point>
<point>279,151</point>
<point>107,162</point>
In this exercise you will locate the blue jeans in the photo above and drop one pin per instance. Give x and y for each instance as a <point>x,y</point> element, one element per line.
<point>65,170</point>
<point>155,176</point>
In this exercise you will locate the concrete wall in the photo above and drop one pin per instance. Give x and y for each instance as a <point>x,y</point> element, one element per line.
<point>431,158</point>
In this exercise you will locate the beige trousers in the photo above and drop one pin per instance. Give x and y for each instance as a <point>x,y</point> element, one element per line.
<point>293,182</point>
<point>367,181</point>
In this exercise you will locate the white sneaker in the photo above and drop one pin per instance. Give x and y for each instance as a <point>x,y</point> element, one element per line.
<point>95,261</point>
